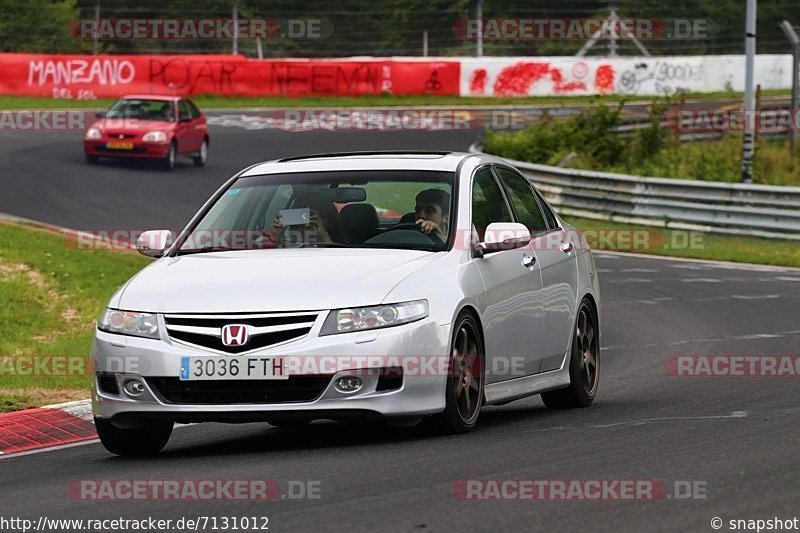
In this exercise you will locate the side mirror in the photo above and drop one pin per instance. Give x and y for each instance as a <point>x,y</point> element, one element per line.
<point>155,242</point>
<point>185,118</point>
<point>100,114</point>
<point>501,236</point>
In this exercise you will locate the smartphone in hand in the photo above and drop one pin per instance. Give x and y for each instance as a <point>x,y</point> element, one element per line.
<point>295,217</point>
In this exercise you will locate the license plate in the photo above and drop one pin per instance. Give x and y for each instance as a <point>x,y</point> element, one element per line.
<point>231,367</point>
<point>119,145</point>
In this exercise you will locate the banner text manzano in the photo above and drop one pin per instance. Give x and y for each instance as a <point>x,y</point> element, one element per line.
<point>88,77</point>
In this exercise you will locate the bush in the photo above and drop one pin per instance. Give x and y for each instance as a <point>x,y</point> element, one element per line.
<point>590,134</point>
<point>651,151</point>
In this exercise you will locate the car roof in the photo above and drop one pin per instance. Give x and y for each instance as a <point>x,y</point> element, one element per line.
<point>163,97</point>
<point>375,160</point>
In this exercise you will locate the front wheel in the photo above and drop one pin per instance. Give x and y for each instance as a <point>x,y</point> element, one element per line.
<point>201,158</point>
<point>584,369</point>
<point>146,440</point>
<point>465,379</point>
<point>169,162</point>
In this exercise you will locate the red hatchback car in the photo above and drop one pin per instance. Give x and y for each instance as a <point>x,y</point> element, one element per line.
<point>149,127</point>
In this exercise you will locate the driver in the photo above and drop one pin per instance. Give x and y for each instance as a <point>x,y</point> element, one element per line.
<point>166,112</point>
<point>432,213</point>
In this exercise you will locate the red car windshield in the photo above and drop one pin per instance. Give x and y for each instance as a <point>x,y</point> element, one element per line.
<point>143,109</point>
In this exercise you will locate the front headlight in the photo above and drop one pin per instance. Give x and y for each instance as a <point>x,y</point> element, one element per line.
<point>379,316</point>
<point>93,133</point>
<point>129,323</point>
<point>155,136</point>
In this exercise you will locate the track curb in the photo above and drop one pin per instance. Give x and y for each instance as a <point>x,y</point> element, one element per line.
<point>46,427</point>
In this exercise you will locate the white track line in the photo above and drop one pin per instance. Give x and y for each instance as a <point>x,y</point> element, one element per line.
<point>48,449</point>
<point>742,266</point>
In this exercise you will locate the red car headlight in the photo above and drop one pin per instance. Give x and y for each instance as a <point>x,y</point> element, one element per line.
<point>155,136</point>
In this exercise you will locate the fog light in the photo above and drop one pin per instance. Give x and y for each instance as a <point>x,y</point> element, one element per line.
<point>348,384</point>
<point>133,387</point>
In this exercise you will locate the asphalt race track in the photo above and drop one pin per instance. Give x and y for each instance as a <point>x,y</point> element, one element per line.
<point>737,437</point>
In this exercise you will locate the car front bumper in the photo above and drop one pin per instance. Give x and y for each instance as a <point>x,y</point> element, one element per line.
<point>413,346</point>
<point>146,150</point>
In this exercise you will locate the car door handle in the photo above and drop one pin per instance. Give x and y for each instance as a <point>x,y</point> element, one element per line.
<point>528,261</point>
<point>567,247</point>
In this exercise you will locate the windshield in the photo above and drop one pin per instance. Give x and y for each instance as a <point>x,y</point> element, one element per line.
<point>143,109</point>
<point>350,209</point>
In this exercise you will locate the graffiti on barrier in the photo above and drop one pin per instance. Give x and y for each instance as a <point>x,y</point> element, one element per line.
<point>665,77</point>
<point>74,71</point>
<point>185,76</point>
<point>517,79</point>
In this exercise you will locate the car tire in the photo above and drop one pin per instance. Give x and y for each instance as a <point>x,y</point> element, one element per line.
<point>146,440</point>
<point>168,163</point>
<point>465,379</point>
<point>201,158</point>
<point>584,364</point>
<point>92,159</point>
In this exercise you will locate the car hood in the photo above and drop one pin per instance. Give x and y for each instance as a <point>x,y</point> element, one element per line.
<point>132,125</point>
<point>269,280</point>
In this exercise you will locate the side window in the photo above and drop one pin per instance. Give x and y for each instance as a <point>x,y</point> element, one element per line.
<point>488,204</point>
<point>193,109</point>
<point>183,111</point>
<point>548,212</point>
<point>521,196</point>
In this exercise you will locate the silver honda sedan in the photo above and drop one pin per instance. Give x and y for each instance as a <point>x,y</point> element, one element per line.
<point>402,286</point>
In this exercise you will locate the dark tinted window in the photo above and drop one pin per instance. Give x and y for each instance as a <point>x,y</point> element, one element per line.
<point>193,109</point>
<point>183,110</point>
<point>521,196</point>
<point>488,204</point>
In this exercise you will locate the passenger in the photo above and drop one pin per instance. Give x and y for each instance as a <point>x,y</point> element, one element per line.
<point>324,226</point>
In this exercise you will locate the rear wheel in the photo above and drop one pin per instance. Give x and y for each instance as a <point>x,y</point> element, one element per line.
<point>465,379</point>
<point>201,158</point>
<point>169,162</point>
<point>584,369</point>
<point>146,440</point>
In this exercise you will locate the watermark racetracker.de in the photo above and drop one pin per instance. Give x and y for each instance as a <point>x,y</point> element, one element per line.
<point>579,490</point>
<point>205,29</point>
<point>540,29</point>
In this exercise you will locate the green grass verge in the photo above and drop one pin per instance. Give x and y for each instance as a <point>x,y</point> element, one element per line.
<point>691,244</point>
<point>213,101</point>
<point>52,294</point>
<point>720,160</point>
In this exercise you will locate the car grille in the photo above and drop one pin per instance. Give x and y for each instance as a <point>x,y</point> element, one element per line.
<point>265,330</point>
<point>295,389</point>
<point>117,135</point>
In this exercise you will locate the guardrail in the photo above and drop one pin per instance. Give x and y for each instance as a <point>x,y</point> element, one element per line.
<point>740,209</point>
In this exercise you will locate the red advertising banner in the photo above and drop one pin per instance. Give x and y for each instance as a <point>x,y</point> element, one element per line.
<point>89,77</point>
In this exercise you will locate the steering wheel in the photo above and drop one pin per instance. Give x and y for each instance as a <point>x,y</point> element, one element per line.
<point>434,236</point>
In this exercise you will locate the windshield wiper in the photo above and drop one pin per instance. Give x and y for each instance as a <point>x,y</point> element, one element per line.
<point>208,249</point>
<point>330,245</point>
